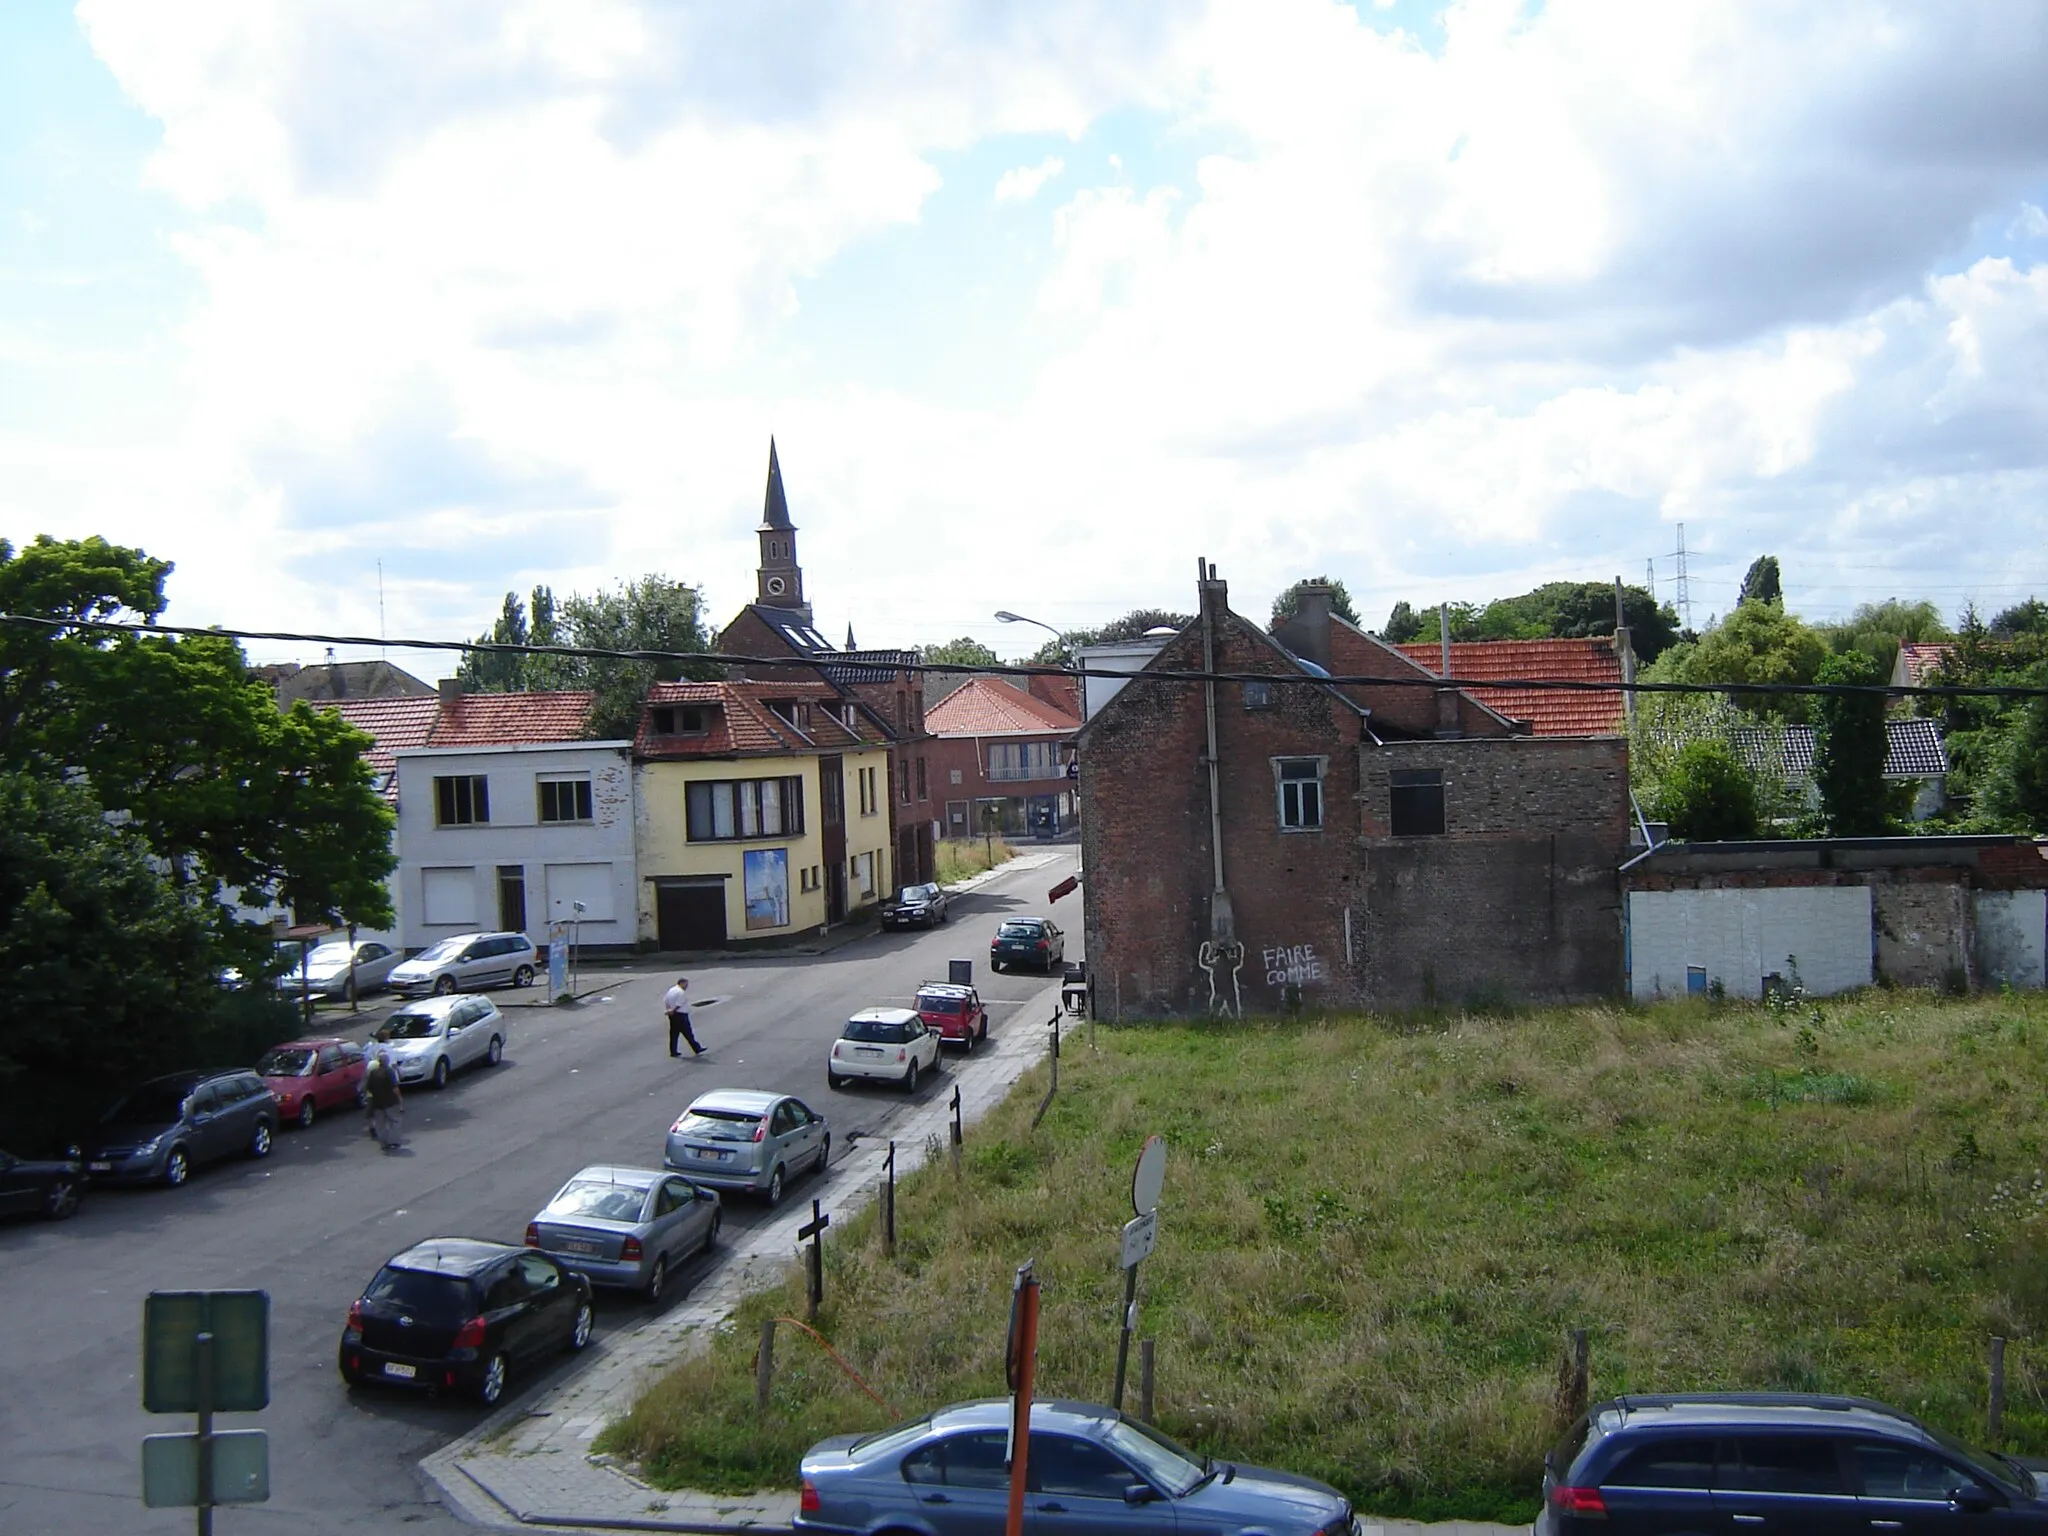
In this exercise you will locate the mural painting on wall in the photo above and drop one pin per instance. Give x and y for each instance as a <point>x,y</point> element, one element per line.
<point>1228,958</point>
<point>1291,965</point>
<point>767,883</point>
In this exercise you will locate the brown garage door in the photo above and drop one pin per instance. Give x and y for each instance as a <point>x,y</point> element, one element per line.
<point>689,914</point>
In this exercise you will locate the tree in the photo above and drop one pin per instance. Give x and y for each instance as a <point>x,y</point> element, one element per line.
<point>1132,626</point>
<point>1666,724</point>
<point>1875,629</point>
<point>1849,750</point>
<point>2016,789</point>
<point>177,737</point>
<point>2027,618</point>
<point>1758,643</point>
<point>1287,602</point>
<point>1402,625</point>
<point>1709,795</point>
<point>1760,583</point>
<point>964,652</point>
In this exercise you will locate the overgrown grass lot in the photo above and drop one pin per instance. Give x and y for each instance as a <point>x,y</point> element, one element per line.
<point>960,858</point>
<point>1377,1234</point>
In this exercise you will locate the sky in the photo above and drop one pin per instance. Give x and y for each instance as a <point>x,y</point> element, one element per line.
<point>365,313</point>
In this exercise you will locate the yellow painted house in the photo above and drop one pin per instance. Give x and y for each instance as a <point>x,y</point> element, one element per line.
<point>762,812</point>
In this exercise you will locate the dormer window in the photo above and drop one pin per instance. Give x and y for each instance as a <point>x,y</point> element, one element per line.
<point>677,719</point>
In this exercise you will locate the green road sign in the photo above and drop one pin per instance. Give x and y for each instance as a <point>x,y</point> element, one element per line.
<point>170,1469</point>
<point>172,1322</point>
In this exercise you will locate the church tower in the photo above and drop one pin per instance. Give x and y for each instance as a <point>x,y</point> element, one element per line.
<point>780,581</point>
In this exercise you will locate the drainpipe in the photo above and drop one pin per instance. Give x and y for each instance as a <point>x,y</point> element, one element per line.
<point>1222,925</point>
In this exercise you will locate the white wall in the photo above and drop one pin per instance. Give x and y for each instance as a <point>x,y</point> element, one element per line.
<point>2012,938</point>
<point>1128,658</point>
<point>1740,936</point>
<point>449,875</point>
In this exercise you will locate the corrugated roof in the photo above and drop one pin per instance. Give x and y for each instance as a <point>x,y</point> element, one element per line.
<point>393,725</point>
<point>741,720</point>
<point>511,719</point>
<point>1550,712</point>
<point>988,706</point>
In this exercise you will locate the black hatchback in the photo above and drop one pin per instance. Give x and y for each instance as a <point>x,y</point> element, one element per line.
<point>456,1314</point>
<point>1770,1461</point>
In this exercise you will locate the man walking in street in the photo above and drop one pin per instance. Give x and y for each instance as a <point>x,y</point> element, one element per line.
<point>387,1104</point>
<point>677,1001</point>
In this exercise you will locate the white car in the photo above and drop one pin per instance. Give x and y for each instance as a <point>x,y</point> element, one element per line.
<point>891,1043</point>
<point>466,961</point>
<point>325,971</point>
<point>437,1036</point>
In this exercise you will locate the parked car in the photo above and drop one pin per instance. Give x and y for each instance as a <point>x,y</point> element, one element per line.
<point>326,971</point>
<point>168,1126</point>
<point>890,1043</point>
<point>953,1011</point>
<point>1775,1461</point>
<point>1030,941</point>
<point>745,1139</point>
<point>915,906</point>
<point>41,1186</point>
<point>459,1314</point>
<point>467,962</point>
<point>626,1227</point>
<point>1089,1469</point>
<point>308,1076</point>
<point>434,1038</point>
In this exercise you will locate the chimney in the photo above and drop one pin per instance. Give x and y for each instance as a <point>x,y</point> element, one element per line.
<point>1447,723</point>
<point>1308,635</point>
<point>1215,592</point>
<point>450,690</point>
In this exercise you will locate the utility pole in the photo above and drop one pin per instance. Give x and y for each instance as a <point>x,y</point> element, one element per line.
<point>1683,595</point>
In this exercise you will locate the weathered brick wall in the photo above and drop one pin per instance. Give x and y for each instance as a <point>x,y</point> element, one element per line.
<point>1922,928</point>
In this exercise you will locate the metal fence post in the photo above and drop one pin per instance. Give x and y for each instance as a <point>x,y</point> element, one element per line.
<point>889,1205</point>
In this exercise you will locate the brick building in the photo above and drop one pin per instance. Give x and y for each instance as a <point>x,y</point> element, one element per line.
<point>1376,845</point>
<point>883,685</point>
<point>999,757</point>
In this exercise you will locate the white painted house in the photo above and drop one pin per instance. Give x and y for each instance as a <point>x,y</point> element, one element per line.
<point>508,820</point>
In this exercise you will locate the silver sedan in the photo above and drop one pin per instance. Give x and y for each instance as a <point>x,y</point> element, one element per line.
<point>628,1228</point>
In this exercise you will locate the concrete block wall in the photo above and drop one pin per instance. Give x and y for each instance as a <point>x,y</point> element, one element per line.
<point>1740,935</point>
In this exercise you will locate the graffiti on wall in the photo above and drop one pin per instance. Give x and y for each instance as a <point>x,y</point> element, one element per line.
<point>1291,965</point>
<point>1229,959</point>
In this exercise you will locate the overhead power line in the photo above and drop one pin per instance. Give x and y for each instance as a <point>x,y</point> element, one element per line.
<point>857,659</point>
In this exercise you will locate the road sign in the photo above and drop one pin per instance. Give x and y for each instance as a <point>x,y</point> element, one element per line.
<point>1150,1177</point>
<point>241,1468</point>
<point>239,1322</point>
<point>1141,1236</point>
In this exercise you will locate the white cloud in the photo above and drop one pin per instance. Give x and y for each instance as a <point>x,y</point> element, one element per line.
<point>1021,183</point>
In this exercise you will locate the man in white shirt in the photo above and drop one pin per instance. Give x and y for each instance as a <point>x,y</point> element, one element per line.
<point>677,1001</point>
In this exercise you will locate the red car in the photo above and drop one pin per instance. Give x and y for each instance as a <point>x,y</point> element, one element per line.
<point>953,1012</point>
<point>308,1076</point>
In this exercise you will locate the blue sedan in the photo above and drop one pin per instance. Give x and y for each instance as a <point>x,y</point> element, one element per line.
<point>1090,1469</point>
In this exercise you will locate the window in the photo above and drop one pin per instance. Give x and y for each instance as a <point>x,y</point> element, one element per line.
<point>565,800</point>
<point>1077,1469</point>
<point>961,1461</point>
<point>1023,760</point>
<point>1782,1464</point>
<point>865,781</point>
<point>1906,1472</point>
<point>903,779</point>
<point>807,878</point>
<point>1258,695</point>
<point>722,809</point>
<point>1416,802</point>
<point>923,788</point>
<point>832,791</point>
<point>677,720</point>
<point>1666,1464</point>
<point>1301,792</point>
<point>462,801</point>
<point>511,904</point>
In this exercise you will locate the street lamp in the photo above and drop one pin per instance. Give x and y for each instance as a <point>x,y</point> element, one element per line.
<point>1003,615</point>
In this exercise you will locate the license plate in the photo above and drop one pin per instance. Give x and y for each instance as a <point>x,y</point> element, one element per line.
<point>867,1050</point>
<point>403,1372</point>
<point>569,1245</point>
<point>101,1167</point>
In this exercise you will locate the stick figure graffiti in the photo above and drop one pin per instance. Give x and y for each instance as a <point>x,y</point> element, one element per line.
<point>1230,958</point>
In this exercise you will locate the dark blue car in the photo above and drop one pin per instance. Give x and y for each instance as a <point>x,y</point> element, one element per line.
<point>1089,1469</point>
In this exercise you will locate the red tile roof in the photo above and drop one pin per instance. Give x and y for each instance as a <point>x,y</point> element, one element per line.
<point>1916,660</point>
<point>988,706</point>
<point>1550,712</point>
<point>741,723</point>
<point>393,724</point>
<point>511,719</point>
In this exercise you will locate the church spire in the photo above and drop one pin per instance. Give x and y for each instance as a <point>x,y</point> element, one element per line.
<point>775,508</point>
<point>849,639</point>
<point>780,580</point>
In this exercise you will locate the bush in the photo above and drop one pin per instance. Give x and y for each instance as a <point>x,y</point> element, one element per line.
<point>1708,795</point>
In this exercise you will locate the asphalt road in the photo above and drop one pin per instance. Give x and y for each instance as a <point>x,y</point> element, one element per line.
<point>311,1223</point>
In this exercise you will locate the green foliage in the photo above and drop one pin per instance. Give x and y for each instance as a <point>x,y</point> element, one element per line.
<point>1287,602</point>
<point>1557,610</point>
<point>1132,626</point>
<point>1976,728</point>
<point>1849,750</point>
<point>1709,795</point>
<point>1875,629</point>
<point>651,614</point>
<point>964,652</point>
<point>1666,724</point>
<point>1757,643</point>
<point>112,974</point>
<point>2027,618</point>
<point>1761,583</point>
<point>2017,789</point>
<point>1402,625</point>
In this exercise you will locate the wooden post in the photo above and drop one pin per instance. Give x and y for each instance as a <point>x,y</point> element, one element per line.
<point>889,1204</point>
<point>1994,1420</point>
<point>1145,1380</point>
<point>957,1133</point>
<point>814,1286</point>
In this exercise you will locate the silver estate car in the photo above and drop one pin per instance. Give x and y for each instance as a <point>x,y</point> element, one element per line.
<point>435,1037</point>
<point>466,962</point>
<point>745,1139</point>
<point>629,1228</point>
